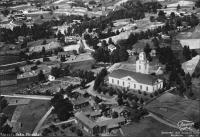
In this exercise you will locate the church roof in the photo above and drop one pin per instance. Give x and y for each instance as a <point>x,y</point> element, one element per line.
<point>139,77</point>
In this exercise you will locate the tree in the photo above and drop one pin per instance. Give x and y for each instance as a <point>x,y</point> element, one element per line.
<point>17,69</point>
<point>110,92</point>
<point>178,7</point>
<point>62,59</point>
<point>41,17</point>
<point>115,115</point>
<point>97,100</point>
<point>141,101</point>
<point>63,108</point>
<point>161,14</point>
<point>110,41</point>
<point>123,54</point>
<point>151,95</point>
<point>4,103</point>
<point>81,47</point>
<point>72,129</point>
<point>120,101</point>
<point>44,42</point>
<point>38,62</point>
<point>193,75</point>
<point>155,93</point>
<point>152,18</point>
<point>196,124</point>
<point>149,58</point>
<point>6,129</point>
<point>41,76</point>
<point>172,15</point>
<point>43,51</point>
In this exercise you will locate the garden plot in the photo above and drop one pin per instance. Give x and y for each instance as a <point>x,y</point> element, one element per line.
<point>182,4</point>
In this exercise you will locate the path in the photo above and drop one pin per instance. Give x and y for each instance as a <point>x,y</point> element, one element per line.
<point>46,126</point>
<point>35,131</point>
<point>29,96</point>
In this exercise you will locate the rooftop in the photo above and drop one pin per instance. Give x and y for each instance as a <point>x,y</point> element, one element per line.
<point>111,121</point>
<point>192,43</point>
<point>139,77</point>
<point>66,53</point>
<point>79,101</point>
<point>95,113</point>
<point>85,119</point>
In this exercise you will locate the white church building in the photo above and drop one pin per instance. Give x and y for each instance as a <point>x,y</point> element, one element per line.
<point>139,80</point>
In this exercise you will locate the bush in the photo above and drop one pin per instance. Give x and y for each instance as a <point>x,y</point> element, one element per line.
<point>141,101</point>
<point>72,129</point>
<point>145,93</point>
<point>79,132</point>
<point>155,93</point>
<point>139,92</point>
<point>151,95</point>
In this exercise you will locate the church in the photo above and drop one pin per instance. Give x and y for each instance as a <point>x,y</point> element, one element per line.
<point>139,80</point>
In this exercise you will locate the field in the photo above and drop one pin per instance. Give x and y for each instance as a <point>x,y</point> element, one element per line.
<point>147,127</point>
<point>9,90</point>
<point>32,114</point>
<point>39,42</point>
<point>178,108</point>
<point>196,87</point>
<point>8,59</point>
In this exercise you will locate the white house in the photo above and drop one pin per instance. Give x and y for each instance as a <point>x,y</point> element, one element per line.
<point>139,80</point>
<point>51,78</point>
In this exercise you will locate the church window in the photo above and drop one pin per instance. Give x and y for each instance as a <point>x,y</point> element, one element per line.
<point>123,83</point>
<point>139,67</point>
<point>145,66</point>
<point>129,79</point>
<point>112,80</point>
<point>118,82</point>
<point>147,88</point>
<point>140,86</point>
<point>134,86</point>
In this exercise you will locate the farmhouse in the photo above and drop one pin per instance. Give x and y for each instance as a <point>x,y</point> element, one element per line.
<point>139,80</point>
<point>95,128</point>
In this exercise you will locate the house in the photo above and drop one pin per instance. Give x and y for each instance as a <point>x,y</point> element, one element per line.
<point>80,102</point>
<point>51,78</point>
<point>79,92</point>
<point>65,54</point>
<point>122,112</point>
<point>111,47</point>
<point>96,128</point>
<point>139,80</point>
<point>7,78</point>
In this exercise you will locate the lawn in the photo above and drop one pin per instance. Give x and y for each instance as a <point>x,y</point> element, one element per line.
<point>8,59</point>
<point>147,127</point>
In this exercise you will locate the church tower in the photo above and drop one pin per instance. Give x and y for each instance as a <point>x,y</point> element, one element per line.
<point>142,64</point>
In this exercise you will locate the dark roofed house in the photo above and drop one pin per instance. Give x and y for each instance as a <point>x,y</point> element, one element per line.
<point>79,103</point>
<point>85,123</point>
<point>96,128</point>
<point>65,54</point>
